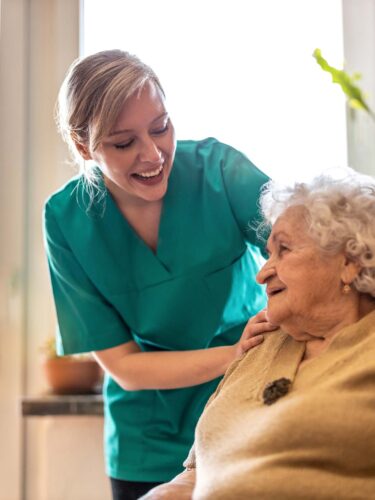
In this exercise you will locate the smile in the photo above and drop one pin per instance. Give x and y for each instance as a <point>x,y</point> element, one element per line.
<point>152,173</point>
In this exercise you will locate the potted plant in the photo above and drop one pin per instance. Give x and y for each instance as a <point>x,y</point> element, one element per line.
<point>75,374</point>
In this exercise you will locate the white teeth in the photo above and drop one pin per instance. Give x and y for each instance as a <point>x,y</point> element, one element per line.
<point>153,173</point>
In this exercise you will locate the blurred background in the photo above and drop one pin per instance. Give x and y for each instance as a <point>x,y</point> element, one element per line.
<point>239,70</point>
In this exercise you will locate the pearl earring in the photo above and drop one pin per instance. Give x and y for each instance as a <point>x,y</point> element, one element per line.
<point>346,289</point>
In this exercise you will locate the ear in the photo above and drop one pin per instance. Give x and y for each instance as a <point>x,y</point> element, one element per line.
<point>83,150</point>
<point>350,271</point>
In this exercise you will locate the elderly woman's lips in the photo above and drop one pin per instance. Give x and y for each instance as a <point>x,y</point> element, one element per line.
<point>274,291</point>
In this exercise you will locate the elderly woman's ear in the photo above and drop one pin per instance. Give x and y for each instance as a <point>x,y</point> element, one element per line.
<point>350,271</point>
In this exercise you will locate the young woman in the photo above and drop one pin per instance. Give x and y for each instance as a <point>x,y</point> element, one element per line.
<point>152,259</point>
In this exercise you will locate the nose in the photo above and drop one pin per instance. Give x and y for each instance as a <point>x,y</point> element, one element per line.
<point>266,272</point>
<point>149,151</point>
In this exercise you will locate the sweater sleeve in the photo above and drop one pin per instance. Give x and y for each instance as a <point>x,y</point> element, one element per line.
<point>86,321</point>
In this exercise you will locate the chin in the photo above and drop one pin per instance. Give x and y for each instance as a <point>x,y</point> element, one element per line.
<point>275,317</point>
<point>154,196</point>
<point>295,329</point>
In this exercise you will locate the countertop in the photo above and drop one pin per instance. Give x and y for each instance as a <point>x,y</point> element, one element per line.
<point>50,404</point>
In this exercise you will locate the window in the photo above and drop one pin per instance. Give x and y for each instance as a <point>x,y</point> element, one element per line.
<point>241,71</point>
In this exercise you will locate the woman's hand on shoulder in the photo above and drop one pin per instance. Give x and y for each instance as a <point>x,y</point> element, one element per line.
<point>135,370</point>
<point>253,333</point>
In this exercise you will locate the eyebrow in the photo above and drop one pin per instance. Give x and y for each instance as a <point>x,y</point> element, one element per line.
<point>276,237</point>
<point>123,131</point>
<point>279,234</point>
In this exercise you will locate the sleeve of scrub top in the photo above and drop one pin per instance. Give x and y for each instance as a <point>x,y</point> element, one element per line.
<point>86,321</point>
<point>243,183</point>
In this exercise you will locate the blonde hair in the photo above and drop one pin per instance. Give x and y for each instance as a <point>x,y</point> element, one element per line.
<point>92,95</point>
<point>340,213</point>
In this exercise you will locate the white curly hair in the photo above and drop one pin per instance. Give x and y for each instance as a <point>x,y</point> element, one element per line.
<point>340,211</point>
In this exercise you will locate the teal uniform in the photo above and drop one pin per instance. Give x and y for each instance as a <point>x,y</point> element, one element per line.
<point>196,291</point>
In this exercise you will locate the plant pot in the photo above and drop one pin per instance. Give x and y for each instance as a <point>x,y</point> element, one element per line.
<point>69,375</point>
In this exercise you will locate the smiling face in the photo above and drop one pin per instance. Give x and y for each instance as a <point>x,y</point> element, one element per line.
<point>304,286</point>
<point>136,157</point>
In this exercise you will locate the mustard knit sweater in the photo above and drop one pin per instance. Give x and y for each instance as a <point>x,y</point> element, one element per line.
<point>315,442</point>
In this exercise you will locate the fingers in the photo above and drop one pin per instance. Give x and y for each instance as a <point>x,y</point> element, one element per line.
<point>258,324</point>
<point>251,330</point>
<point>257,328</point>
<point>251,342</point>
<point>259,317</point>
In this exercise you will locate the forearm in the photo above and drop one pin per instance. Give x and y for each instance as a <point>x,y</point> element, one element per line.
<point>135,370</point>
<point>181,488</point>
<point>170,370</point>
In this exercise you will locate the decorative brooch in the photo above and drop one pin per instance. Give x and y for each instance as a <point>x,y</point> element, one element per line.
<point>275,390</point>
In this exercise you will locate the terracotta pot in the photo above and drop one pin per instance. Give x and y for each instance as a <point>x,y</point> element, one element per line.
<point>69,375</point>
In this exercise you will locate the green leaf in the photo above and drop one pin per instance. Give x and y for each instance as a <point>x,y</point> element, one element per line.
<point>354,94</point>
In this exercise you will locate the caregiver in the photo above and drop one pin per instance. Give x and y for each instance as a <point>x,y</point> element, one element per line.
<point>152,261</point>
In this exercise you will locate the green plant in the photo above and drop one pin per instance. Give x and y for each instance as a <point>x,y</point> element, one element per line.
<point>355,96</point>
<point>48,349</point>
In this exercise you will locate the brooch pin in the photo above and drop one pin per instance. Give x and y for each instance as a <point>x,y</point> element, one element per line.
<point>275,390</point>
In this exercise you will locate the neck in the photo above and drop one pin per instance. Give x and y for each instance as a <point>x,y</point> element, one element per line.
<point>142,215</point>
<point>366,304</point>
<point>318,332</point>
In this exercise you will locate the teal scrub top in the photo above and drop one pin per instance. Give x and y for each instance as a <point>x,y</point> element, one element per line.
<point>196,291</point>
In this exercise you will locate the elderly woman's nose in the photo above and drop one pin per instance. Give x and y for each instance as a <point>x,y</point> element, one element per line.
<point>265,272</point>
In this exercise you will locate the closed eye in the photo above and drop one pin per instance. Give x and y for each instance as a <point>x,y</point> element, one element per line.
<point>129,143</point>
<point>124,145</point>
<point>161,131</point>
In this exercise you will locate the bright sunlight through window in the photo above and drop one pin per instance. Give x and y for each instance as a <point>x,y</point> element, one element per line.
<point>241,71</point>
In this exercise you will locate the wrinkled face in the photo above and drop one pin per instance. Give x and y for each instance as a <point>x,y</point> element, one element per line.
<point>303,285</point>
<point>136,157</point>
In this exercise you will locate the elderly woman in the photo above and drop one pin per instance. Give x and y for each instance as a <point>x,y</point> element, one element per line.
<point>295,417</point>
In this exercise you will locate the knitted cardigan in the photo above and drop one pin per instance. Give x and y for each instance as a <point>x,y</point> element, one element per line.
<point>317,441</point>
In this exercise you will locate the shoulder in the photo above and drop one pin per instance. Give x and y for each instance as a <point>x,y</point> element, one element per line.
<point>207,147</point>
<point>214,160</point>
<point>74,206</point>
<point>77,199</point>
<point>259,358</point>
<point>66,195</point>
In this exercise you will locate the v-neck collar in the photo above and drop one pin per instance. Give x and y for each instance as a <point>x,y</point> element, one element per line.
<point>111,210</point>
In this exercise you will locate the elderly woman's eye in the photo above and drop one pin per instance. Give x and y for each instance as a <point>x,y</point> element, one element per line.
<point>283,249</point>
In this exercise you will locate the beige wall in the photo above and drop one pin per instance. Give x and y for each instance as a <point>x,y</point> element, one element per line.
<point>39,39</point>
<point>12,207</point>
